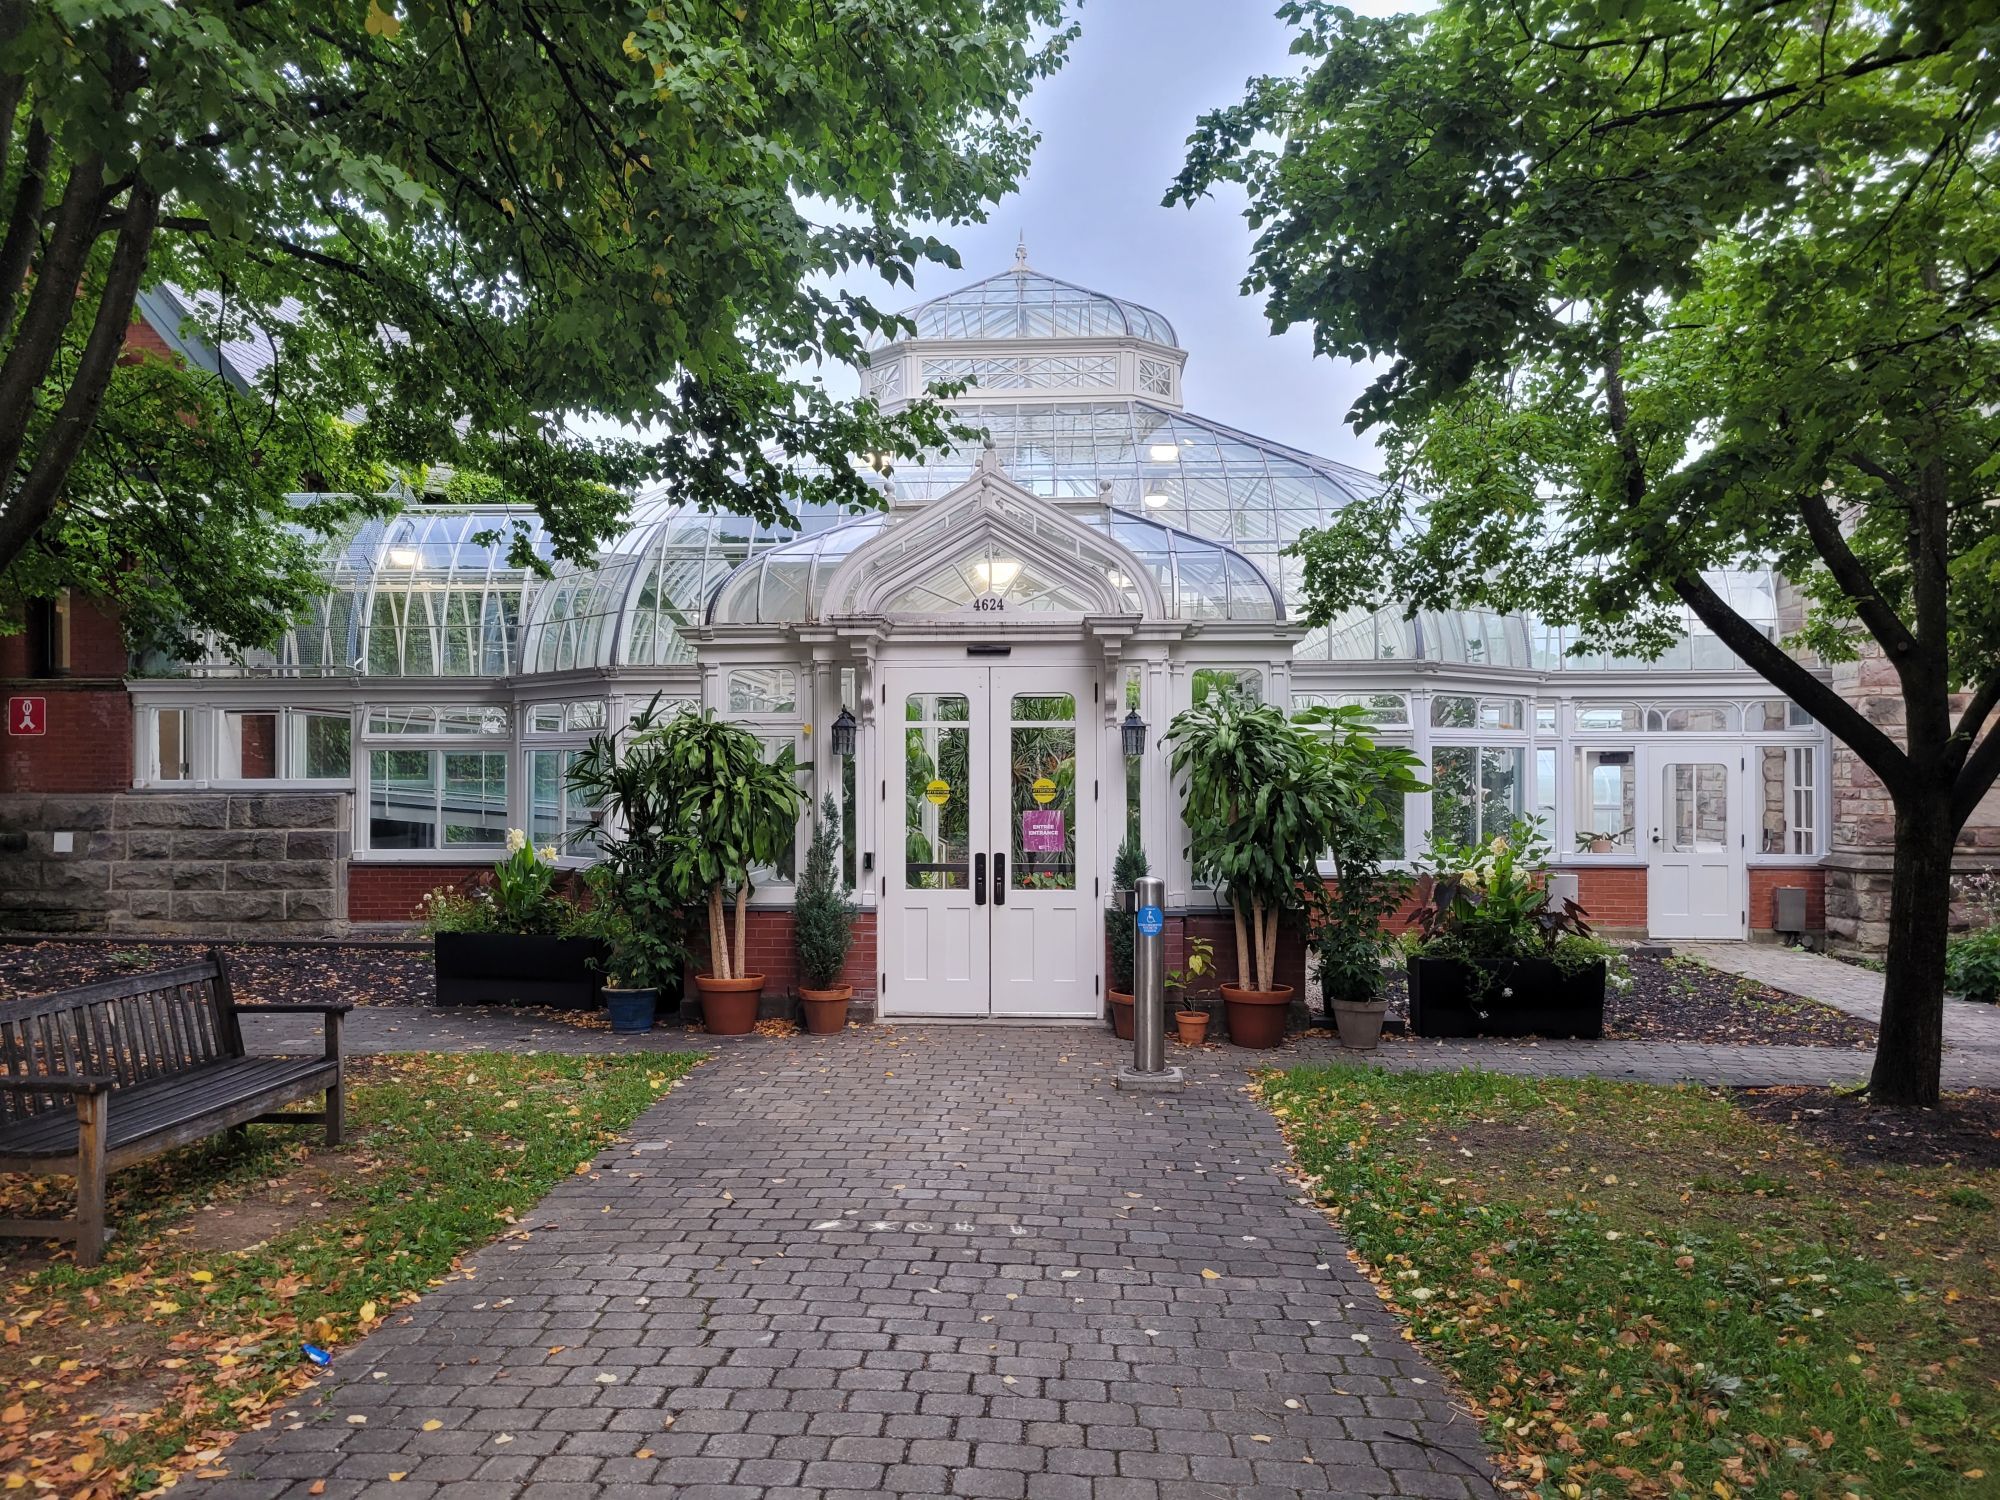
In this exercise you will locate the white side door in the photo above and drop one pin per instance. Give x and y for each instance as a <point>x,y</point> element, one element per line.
<point>936,936</point>
<point>1695,876</point>
<point>1042,810</point>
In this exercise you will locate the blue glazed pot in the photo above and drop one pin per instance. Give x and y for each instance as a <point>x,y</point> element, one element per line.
<point>631,1010</point>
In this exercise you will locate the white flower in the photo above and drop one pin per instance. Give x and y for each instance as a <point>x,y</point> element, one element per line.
<point>516,841</point>
<point>547,853</point>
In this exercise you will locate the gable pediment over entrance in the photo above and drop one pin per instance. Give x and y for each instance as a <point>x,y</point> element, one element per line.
<point>990,547</point>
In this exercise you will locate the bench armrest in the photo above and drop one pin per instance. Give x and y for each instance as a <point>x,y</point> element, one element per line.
<point>60,1083</point>
<point>299,1008</point>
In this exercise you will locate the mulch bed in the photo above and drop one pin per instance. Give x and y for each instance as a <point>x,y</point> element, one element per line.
<point>1677,1000</point>
<point>363,973</point>
<point>1964,1132</point>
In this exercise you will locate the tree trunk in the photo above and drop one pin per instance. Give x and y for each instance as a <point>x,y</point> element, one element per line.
<point>1267,950</point>
<point>1909,1051</point>
<point>1257,943</point>
<point>1243,977</point>
<point>718,936</point>
<point>742,911</point>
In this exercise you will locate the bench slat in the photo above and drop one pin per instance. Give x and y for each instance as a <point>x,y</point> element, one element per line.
<point>150,1109</point>
<point>109,989</point>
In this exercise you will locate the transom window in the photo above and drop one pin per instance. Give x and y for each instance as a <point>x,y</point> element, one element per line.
<point>582,717</point>
<point>764,690</point>
<point>1026,372</point>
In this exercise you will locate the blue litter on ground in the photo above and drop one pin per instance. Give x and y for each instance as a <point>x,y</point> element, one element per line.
<point>316,1355</point>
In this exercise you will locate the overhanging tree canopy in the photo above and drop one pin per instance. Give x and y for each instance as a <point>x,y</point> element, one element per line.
<point>472,225</point>
<point>1659,290</point>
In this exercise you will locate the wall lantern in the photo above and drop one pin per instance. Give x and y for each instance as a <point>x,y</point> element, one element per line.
<point>1133,732</point>
<point>843,734</point>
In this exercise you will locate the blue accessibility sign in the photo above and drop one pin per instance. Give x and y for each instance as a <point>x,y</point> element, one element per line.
<point>1152,921</point>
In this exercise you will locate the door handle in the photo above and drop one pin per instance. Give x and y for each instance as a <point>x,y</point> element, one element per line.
<point>978,880</point>
<point>999,880</point>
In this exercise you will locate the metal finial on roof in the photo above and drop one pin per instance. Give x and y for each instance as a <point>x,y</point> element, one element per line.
<point>1021,252</point>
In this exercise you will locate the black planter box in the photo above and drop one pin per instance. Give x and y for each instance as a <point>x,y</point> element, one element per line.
<point>504,968</point>
<point>1545,1001</point>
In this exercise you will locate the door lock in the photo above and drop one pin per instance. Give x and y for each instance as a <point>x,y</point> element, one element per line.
<point>978,880</point>
<point>999,880</point>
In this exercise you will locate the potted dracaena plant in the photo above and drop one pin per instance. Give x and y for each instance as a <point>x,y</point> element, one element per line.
<point>823,927</point>
<point>738,814</point>
<point>1495,955</point>
<point>1126,870</point>
<point>513,937</point>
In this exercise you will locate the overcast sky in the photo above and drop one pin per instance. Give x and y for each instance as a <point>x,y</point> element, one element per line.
<point>1114,123</point>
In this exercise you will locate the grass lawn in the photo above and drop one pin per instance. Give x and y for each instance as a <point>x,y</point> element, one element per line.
<point>1646,1291</point>
<point>230,1257</point>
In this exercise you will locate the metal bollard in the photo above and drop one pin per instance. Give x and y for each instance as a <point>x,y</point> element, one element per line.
<point>1149,991</point>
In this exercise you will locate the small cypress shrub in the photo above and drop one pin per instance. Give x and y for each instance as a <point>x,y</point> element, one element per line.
<point>822,922</point>
<point>1125,872</point>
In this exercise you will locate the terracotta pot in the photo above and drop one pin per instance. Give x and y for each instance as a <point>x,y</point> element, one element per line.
<point>1360,1023</point>
<point>729,1006</point>
<point>1256,1018</point>
<point>1121,1016</point>
<point>825,1010</point>
<point>1193,1026</point>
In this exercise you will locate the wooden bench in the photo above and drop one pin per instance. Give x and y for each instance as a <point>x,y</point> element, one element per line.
<point>96,1078</point>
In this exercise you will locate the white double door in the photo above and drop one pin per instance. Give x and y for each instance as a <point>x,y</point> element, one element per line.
<point>989,900</point>
<point>1696,875</point>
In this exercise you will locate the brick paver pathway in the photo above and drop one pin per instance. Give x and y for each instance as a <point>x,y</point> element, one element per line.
<point>920,1261</point>
<point>1848,987</point>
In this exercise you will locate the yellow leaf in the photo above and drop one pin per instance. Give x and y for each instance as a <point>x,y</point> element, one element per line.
<point>1208,1275</point>
<point>1723,1491</point>
<point>397,1478</point>
<point>166,1309</point>
<point>432,1425</point>
<point>203,1277</point>
<point>18,1412</point>
<point>367,1311</point>
<point>381,23</point>
<point>82,1462</point>
<point>507,207</point>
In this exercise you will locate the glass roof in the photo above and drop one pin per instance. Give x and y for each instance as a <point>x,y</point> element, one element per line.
<point>1025,304</point>
<point>1199,579</point>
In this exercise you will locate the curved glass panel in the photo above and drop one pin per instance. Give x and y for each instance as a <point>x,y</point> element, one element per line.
<point>1024,304</point>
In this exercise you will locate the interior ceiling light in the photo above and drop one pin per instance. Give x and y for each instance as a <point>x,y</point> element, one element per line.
<point>403,557</point>
<point>1157,498</point>
<point>1163,453</point>
<point>996,575</point>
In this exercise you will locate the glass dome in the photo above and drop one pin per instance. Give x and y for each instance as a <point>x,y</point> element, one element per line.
<point>1025,304</point>
<point>1198,579</point>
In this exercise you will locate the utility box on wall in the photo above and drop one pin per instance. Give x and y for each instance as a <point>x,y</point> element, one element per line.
<point>1788,910</point>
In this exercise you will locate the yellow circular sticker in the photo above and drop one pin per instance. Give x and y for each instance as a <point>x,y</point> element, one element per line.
<point>1044,790</point>
<point>938,793</point>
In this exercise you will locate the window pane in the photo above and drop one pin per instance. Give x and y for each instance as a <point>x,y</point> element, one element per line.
<point>1450,712</point>
<point>476,719</point>
<point>764,690</point>
<point>936,763</point>
<point>475,798</point>
<point>1245,683</point>
<point>1500,774</point>
<point>402,721</point>
<point>322,747</point>
<point>1454,812</point>
<point>1607,783</point>
<point>1615,718</point>
<point>1037,708</point>
<point>249,748</point>
<point>1545,791</point>
<point>1697,808</point>
<point>1042,787</point>
<point>402,799</point>
<point>173,753</point>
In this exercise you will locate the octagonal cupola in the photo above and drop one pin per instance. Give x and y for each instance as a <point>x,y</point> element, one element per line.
<point>1026,336</point>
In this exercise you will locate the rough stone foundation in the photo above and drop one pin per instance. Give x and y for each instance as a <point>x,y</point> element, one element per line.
<point>208,864</point>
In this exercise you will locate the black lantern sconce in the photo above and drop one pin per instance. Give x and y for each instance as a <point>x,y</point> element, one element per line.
<point>843,734</point>
<point>1133,733</point>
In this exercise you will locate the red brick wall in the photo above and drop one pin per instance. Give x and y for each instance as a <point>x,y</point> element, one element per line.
<point>260,746</point>
<point>390,893</point>
<point>1614,897</point>
<point>88,746</point>
<point>1764,879</point>
<point>768,950</point>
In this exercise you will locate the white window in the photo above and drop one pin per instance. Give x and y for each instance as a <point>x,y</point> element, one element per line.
<point>1803,800</point>
<point>764,690</point>
<point>1156,377</point>
<point>586,716</point>
<point>1787,794</point>
<point>1246,683</point>
<point>1607,790</point>
<point>1476,790</point>
<point>556,814</point>
<point>428,798</point>
<point>173,745</point>
<point>284,744</point>
<point>1692,718</point>
<point>1608,718</point>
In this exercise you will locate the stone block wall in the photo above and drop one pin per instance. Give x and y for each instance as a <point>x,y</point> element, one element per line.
<point>1864,820</point>
<point>205,864</point>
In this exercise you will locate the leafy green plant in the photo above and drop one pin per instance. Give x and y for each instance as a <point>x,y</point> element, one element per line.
<point>1972,965</point>
<point>1200,960</point>
<point>517,896</point>
<point>735,813</point>
<point>1126,871</point>
<point>822,921</point>
<point>451,908</point>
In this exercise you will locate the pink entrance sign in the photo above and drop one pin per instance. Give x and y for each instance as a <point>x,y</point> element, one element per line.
<point>1042,831</point>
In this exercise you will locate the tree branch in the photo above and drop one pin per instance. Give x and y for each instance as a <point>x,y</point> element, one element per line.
<point>18,249</point>
<point>1982,764</point>
<point>1778,667</point>
<point>1848,571</point>
<point>31,503</point>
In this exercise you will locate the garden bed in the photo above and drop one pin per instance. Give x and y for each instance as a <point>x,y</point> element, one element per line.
<point>360,973</point>
<point>1679,1000</point>
<point>1659,1291</point>
<point>230,1257</point>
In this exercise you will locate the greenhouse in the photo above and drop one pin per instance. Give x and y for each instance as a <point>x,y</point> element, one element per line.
<point>1098,559</point>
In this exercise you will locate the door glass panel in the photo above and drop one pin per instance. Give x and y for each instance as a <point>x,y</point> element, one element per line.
<point>1697,808</point>
<point>175,754</point>
<point>1042,793</point>
<point>936,797</point>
